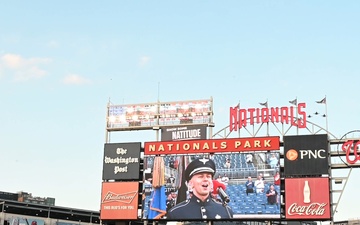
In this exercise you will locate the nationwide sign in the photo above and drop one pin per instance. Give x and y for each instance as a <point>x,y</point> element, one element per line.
<point>295,116</point>
<point>213,145</point>
<point>307,198</point>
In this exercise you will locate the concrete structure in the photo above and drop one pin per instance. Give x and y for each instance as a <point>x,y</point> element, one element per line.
<point>13,212</point>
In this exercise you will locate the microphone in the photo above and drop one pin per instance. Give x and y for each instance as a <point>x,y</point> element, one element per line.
<point>219,188</point>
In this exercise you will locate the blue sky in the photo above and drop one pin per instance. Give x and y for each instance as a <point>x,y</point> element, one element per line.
<point>60,63</point>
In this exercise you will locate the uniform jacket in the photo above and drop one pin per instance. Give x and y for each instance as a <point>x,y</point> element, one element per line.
<point>195,209</point>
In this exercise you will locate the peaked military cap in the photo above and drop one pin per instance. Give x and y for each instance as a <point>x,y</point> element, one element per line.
<point>199,166</point>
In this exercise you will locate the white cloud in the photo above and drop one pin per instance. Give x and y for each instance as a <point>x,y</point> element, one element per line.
<point>144,60</point>
<point>52,44</point>
<point>29,73</point>
<point>12,61</point>
<point>75,79</point>
<point>23,69</point>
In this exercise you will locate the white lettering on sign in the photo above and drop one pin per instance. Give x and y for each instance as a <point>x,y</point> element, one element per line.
<point>186,134</point>
<point>313,154</point>
<point>314,209</point>
<point>118,169</point>
<point>120,160</point>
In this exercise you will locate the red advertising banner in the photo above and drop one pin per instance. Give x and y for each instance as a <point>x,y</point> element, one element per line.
<point>307,198</point>
<point>119,200</point>
<point>213,145</point>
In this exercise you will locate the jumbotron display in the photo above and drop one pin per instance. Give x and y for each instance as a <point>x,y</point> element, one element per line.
<point>216,180</point>
<point>158,114</point>
<point>188,176</point>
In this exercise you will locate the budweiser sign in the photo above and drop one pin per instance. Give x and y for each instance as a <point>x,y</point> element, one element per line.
<point>314,209</point>
<point>125,197</point>
<point>119,200</point>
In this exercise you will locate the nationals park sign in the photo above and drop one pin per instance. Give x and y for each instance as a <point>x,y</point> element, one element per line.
<point>213,145</point>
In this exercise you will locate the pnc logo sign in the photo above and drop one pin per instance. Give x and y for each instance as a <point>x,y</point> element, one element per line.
<point>293,154</point>
<point>306,155</point>
<point>313,154</point>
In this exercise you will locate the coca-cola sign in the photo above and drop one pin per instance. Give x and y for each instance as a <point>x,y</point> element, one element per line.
<point>309,210</point>
<point>307,198</point>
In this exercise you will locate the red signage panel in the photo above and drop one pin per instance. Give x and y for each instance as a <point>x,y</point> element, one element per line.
<point>213,146</point>
<point>307,198</point>
<point>351,156</point>
<point>119,200</point>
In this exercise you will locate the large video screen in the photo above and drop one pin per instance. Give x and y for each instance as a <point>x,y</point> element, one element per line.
<point>148,115</point>
<point>212,186</point>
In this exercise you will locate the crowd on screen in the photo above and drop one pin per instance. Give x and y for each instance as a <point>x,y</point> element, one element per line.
<point>258,187</point>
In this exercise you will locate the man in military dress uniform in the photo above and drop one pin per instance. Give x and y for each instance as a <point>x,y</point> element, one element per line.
<point>171,200</point>
<point>199,175</point>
